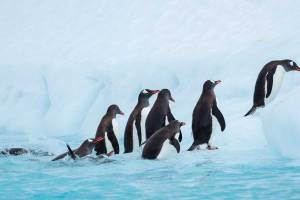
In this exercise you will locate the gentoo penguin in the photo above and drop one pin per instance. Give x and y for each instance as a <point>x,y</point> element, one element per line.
<point>269,82</point>
<point>86,148</point>
<point>108,129</point>
<point>135,133</point>
<point>160,114</point>
<point>202,116</point>
<point>159,142</point>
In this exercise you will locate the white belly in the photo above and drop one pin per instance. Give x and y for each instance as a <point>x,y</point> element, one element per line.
<point>166,121</point>
<point>109,147</point>
<point>277,82</point>
<point>144,114</point>
<point>135,137</point>
<point>115,128</point>
<point>166,150</point>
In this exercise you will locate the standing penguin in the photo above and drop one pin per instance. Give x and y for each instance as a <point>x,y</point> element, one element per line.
<point>202,116</point>
<point>85,149</point>
<point>269,82</point>
<point>135,133</point>
<point>108,129</point>
<point>157,145</point>
<point>160,114</point>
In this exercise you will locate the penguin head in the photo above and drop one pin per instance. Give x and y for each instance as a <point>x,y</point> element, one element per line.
<point>113,110</point>
<point>166,94</point>
<point>290,65</point>
<point>210,85</point>
<point>146,94</point>
<point>175,126</point>
<point>91,142</point>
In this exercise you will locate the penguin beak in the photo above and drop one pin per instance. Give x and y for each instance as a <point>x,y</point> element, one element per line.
<point>297,69</point>
<point>172,99</point>
<point>182,123</point>
<point>121,113</point>
<point>98,139</point>
<point>152,91</point>
<point>217,82</point>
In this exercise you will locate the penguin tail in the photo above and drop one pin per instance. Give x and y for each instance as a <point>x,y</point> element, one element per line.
<point>251,111</point>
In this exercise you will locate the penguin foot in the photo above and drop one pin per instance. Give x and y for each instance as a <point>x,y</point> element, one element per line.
<point>209,147</point>
<point>110,153</point>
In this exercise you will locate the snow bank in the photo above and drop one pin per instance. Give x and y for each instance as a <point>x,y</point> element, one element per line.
<point>281,125</point>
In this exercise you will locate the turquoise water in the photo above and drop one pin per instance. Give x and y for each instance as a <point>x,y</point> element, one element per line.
<point>221,174</point>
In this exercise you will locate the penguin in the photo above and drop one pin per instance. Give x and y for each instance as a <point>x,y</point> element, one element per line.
<point>269,82</point>
<point>202,116</point>
<point>86,148</point>
<point>14,151</point>
<point>160,114</point>
<point>17,151</point>
<point>135,133</point>
<point>157,145</point>
<point>108,129</point>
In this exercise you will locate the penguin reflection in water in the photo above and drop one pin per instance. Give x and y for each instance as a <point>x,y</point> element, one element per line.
<point>108,129</point>
<point>163,141</point>
<point>202,123</point>
<point>86,148</point>
<point>269,82</point>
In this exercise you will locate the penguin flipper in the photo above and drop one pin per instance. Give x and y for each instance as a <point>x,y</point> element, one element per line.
<point>138,127</point>
<point>60,157</point>
<point>171,117</point>
<point>71,152</point>
<point>251,111</point>
<point>216,112</point>
<point>113,139</point>
<point>176,144</point>
<point>269,79</point>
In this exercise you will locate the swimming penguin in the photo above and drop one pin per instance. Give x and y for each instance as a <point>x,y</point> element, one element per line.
<point>269,82</point>
<point>202,116</point>
<point>108,129</point>
<point>86,148</point>
<point>17,151</point>
<point>135,133</point>
<point>157,145</point>
<point>160,114</point>
<point>14,151</point>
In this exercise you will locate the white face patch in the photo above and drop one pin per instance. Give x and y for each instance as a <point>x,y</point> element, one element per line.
<point>144,92</point>
<point>292,63</point>
<point>90,140</point>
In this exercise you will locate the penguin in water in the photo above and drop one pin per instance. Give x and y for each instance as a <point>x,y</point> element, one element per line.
<point>158,144</point>
<point>86,148</point>
<point>202,116</point>
<point>14,151</point>
<point>108,129</point>
<point>17,151</point>
<point>160,114</point>
<point>269,82</point>
<point>135,133</point>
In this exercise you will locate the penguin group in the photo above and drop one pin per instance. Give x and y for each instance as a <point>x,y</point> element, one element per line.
<point>155,131</point>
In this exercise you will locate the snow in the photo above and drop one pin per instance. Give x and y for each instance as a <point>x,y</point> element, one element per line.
<point>63,63</point>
